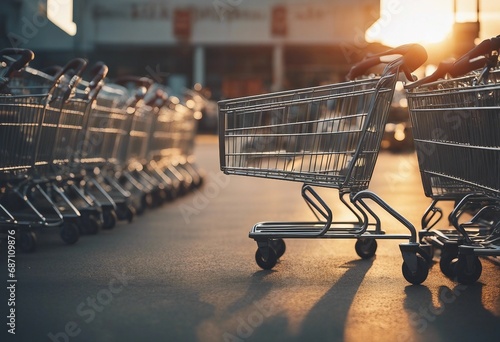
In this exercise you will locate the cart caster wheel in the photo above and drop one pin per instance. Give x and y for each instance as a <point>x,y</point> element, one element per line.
<point>27,241</point>
<point>91,225</point>
<point>468,272</point>
<point>366,248</point>
<point>70,233</point>
<point>419,276</point>
<point>447,264</point>
<point>109,219</point>
<point>279,247</point>
<point>427,251</point>
<point>426,254</point>
<point>271,261</point>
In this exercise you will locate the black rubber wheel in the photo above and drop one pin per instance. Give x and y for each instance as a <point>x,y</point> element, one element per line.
<point>427,251</point>
<point>109,219</point>
<point>419,276</point>
<point>279,247</point>
<point>468,273</point>
<point>27,241</point>
<point>70,233</point>
<point>447,263</point>
<point>366,248</point>
<point>270,262</point>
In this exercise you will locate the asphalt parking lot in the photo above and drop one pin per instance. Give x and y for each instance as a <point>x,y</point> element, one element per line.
<point>186,272</point>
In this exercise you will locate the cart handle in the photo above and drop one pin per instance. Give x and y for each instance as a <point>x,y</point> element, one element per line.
<point>413,56</point>
<point>450,67</point>
<point>100,71</point>
<point>24,57</point>
<point>467,62</point>
<point>470,61</point>
<point>74,69</point>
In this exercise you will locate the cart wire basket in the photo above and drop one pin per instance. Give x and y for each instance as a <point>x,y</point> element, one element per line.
<point>326,136</point>
<point>454,122</point>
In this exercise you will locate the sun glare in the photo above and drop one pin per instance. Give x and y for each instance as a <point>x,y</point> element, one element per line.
<point>425,22</point>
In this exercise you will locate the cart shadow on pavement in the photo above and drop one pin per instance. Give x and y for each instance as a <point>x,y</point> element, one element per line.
<point>325,321</point>
<point>442,318</point>
<point>258,289</point>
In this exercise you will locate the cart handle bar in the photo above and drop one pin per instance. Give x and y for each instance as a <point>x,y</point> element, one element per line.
<point>74,69</point>
<point>470,61</point>
<point>412,55</point>
<point>24,57</point>
<point>466,63</point>
<point>100,71</point>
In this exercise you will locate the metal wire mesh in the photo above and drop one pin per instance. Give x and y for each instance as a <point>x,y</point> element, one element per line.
<point>328,135</point>
<point>455,126</point>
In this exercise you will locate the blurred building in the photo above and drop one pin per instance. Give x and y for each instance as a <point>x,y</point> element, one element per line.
<point>233,47</point>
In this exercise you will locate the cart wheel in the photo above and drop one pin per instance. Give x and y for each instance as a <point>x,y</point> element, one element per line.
<point>70,233</point>
<point>271,261</point>
<point>279,247</point>
<point>91,225</point>
<point>427,251</point>
<point>468,273</point>
<point>421,274</point>
<point>27,241</point>
<point>366,248</point>
<point>447,263</point>
<point>109,219</point>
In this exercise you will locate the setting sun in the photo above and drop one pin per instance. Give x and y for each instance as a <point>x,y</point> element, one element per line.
<point>424,22</point>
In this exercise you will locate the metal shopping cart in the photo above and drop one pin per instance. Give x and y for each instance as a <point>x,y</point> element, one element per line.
<point>162,149</point>
<point>327,136</point>
<point>455,124</point>
<point>31,107</point>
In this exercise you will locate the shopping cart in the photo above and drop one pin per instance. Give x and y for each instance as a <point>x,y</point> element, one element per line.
<point>327,136</point>
<point>31,114</point>
<point>133,152</point>
<point>162,146</point>
<point>454,126</point>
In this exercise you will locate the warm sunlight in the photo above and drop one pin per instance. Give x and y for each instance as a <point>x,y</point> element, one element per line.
<point>424,22</point>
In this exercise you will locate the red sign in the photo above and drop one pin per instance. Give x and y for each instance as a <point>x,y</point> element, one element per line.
<point>279,25</point>
<point>182,23</point>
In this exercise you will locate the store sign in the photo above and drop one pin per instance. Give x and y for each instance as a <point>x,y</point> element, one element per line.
<point>182,23</point>
<point>279,21</point>
<point>60,12</point>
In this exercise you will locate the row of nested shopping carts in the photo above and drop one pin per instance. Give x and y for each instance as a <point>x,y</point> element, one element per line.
<point>329,136</point>
<point>79,153</point>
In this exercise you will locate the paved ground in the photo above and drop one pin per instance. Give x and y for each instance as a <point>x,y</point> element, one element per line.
<point>186,272</point>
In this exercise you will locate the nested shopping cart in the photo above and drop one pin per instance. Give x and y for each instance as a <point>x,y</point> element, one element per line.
<point>163,150</point>
<point>327,136</point>
<point>33,133</point>
<point>455,122</point>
